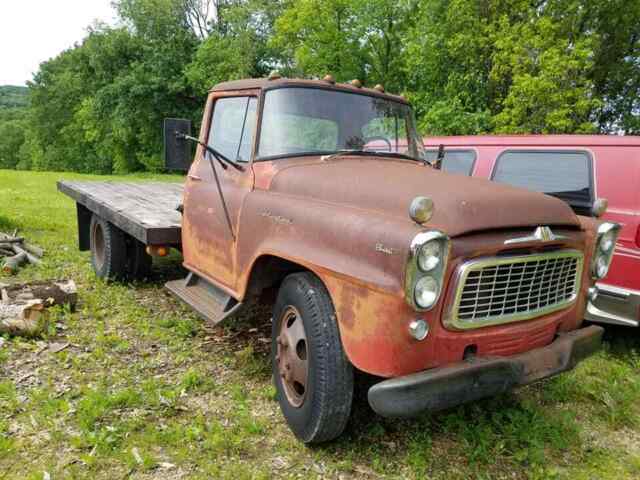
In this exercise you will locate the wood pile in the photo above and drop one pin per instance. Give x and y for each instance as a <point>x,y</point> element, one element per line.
<point>15,251</point>
<point>23,307</point>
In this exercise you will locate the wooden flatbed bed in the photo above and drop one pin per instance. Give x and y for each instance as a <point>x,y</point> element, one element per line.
<point>146,211</point>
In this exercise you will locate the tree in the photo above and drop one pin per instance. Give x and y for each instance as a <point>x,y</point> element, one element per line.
<point>544,66</point>
<point>548,79</point>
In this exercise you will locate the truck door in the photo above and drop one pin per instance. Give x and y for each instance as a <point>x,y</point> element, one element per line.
<point>209,244</point>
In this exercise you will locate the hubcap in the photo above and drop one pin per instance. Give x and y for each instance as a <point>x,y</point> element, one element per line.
<point>98,245</point>
<point>292,357</point>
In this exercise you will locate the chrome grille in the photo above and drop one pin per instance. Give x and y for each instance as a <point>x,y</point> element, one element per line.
<point>508,289</point>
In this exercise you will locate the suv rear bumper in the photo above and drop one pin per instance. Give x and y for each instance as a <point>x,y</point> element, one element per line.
<point>615,305</point>
<point>480,377</point>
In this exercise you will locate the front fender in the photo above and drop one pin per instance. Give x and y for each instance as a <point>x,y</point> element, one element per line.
<point>359,255</point>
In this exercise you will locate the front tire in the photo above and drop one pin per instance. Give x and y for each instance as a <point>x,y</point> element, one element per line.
<point>312,375</point>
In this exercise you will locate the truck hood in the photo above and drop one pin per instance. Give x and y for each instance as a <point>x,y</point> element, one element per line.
<point>385,185</point>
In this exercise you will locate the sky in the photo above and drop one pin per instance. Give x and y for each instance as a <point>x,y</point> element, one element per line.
<point>32,31</point>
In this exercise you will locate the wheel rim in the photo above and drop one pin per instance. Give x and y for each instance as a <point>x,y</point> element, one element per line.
<point>292,356</point>
<point>98,245</point>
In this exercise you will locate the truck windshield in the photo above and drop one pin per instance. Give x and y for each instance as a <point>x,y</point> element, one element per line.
<point>314,121</point>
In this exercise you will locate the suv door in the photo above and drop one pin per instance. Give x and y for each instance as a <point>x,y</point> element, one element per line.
<point>209,236</point>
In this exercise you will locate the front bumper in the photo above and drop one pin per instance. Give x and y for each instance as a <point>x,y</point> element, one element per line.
<point>614,305</point>
<point>480,377</point>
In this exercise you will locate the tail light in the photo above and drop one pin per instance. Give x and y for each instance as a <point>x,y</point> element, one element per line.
<point>638,236</point>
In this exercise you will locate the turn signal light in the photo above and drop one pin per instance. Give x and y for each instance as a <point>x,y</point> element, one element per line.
<point>157,250</point>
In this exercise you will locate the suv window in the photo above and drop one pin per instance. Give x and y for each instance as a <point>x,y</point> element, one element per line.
<point>233,126</point>
<point>564,174</point>
<point>454,161</point>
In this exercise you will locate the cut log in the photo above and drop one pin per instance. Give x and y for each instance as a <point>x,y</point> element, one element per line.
<point>28,319</point>
<point>11,264</point>
<point>7,239</point>
<point>33,249</point>
<point>31,258</point>
<point>24,307</point>
<point>51,293</point>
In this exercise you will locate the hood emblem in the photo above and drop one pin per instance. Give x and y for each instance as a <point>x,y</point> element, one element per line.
<point>541,234</point>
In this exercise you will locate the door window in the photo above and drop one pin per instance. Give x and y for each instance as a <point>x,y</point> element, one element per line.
<point>233,127</point>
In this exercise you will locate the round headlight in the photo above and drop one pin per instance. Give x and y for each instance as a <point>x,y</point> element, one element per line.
<point>608,241</point>
<point>430,255</point>
<point>601,266</point>
<point>426,292</point>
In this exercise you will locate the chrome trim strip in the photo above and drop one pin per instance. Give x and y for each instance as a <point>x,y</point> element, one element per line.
<point>615,305</point>
<point>541,234</point>
<point>605,287</point>
<point>451,319</point>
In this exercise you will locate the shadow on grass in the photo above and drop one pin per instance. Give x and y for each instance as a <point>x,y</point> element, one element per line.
<point>504,430</point>
<point>622,342</point>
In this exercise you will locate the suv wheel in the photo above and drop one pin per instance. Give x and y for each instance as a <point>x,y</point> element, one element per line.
<point>312,375</point>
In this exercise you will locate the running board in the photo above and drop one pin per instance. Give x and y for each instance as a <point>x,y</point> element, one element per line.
<point>206,299</point>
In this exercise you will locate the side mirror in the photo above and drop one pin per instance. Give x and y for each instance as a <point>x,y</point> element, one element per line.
<point>599,207</point>
<point>177,150</point>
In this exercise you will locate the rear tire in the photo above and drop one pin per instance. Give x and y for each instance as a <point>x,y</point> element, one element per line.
<point>108,249</point>
<point>315,404</point>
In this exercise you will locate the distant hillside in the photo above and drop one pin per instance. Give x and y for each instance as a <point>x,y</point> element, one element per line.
<point>13,97</point>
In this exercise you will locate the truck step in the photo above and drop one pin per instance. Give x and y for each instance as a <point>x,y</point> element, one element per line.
<point>206,299</point>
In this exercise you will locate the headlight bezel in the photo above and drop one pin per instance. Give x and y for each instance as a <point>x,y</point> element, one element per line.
<point>414,272</point>
<point>604,229</point>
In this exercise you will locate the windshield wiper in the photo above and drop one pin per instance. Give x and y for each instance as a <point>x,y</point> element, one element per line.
<point>373,153</point>
<point>222,160</point>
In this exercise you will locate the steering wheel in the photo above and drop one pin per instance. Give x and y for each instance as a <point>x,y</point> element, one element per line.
<point>378,138</point>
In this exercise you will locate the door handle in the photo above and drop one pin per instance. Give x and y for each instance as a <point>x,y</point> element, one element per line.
<point>194,177</point>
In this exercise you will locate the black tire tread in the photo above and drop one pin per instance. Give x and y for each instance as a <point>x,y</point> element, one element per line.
<point>333,393</point>
<point>115,250</point>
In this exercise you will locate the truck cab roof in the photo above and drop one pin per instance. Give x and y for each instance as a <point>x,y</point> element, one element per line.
<point>267,84</point>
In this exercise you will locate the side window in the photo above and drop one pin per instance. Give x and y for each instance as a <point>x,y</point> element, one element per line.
<point>455,161</point>
<point>564,173</point>
<point>233,126</point>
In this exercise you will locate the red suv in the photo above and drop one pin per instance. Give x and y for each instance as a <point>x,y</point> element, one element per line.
<point>578,169</point>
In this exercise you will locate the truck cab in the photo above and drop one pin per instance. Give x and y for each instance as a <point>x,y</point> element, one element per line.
<point>446,288</point>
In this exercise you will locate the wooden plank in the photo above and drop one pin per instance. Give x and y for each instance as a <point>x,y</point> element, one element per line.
<point>147,211</point>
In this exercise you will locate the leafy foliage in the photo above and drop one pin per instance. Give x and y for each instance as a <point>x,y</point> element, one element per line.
<point>507,66</point>
<point>13,97</point>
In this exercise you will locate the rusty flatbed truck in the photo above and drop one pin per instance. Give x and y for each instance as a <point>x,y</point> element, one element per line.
<point>449,288</point>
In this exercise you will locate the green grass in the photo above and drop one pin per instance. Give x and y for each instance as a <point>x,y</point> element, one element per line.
<point>146,391</point>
